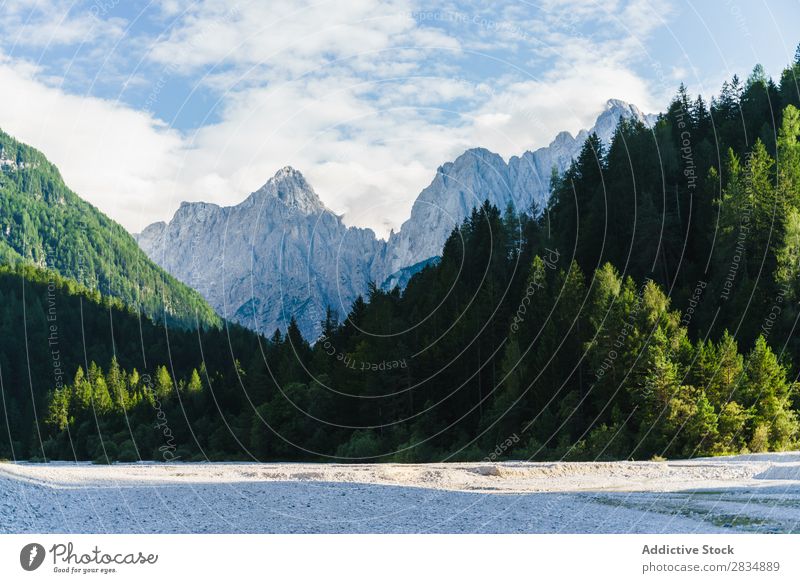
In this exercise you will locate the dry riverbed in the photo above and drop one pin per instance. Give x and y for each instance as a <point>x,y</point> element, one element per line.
<point>755,493</point>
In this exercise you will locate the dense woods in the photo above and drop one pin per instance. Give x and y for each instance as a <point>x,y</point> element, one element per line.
<point>649,310</point>
<point>43,223</point>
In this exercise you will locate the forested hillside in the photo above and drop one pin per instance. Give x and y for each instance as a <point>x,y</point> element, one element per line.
<point>43,223</point>
<point>51,326</point>
<point>649,310</point>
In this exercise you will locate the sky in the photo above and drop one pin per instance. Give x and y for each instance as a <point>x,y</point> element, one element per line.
<point>144,104</point>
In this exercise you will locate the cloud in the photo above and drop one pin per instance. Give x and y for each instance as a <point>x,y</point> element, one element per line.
<point>117,158</point>
<point>349,147</point>
<point>366,98</point>
<point>291,37</point>
<point>528,114</point>
<point>42,23</point>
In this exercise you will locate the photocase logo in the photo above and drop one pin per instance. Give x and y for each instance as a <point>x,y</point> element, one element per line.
<point>31,556</point>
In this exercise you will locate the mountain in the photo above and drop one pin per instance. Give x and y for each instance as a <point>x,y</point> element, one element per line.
<point>282,253</point>
<point>44,223</point>
<point>279,254</point>
<point>401,277</point>
<point>479,174</point>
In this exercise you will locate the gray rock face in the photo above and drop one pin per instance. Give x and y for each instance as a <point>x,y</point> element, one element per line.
<point>478,175</point>
<point>403,276</point>
<point>278,254</point>
<point>281,253</point>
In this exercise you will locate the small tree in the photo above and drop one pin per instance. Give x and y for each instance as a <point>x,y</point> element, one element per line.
<point>195,385</point>
<point>163,385</point>
<point>767,392</point>
<point>58,411</point>
<point>101,399</point>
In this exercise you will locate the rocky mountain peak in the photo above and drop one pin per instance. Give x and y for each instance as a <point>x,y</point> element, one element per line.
<point>480,174</point>
<point>291,188</point>
<point>614,110</point>
<point>562,138</point>
<point>619,104</point>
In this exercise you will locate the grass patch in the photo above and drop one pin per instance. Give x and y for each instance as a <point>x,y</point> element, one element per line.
<point>735,520</point>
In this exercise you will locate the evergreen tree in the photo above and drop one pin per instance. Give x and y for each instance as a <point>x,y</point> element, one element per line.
<point>194,385</point>
<point>163,386</point>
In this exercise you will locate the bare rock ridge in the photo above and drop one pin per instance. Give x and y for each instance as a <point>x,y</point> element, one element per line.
<point>281,253</point>
<point>479,174</point>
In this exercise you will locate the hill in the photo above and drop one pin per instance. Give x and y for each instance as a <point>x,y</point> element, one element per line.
<point>43,223</point>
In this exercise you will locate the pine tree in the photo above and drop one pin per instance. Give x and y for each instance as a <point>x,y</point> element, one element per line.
<point>58,408</point>
<point>82,391</point>
<point>101,399</point>
<point>790,82</point>
<point>194,385</point>
<point>766,391</point>
<point>657,398</point>
<point>723,374</point>
<point>163,386</point>
<point>508,411</point>
<point>134,386</point>
<point>757,77</point>
<point>789,156</point>
<point>767,208</point>
<point>733,421</point>
<point>701,431</point>
<point>117,384</point>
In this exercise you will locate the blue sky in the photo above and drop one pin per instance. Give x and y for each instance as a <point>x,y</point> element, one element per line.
<point>145,104</point>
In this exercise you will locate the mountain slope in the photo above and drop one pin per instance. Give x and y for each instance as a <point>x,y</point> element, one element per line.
<point>44,223</point>
<point>277,255</point>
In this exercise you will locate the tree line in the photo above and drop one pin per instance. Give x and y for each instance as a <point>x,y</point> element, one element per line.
<point>648,310</point>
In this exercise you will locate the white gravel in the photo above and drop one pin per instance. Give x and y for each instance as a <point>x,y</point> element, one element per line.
<point>755,493</point>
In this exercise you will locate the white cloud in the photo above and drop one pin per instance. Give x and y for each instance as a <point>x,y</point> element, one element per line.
<point>366,98</point>
<point>40,23</point>
<point>528,114</point>
<point>350,148</point>
<point>292,37</point>
<point>117,158</point>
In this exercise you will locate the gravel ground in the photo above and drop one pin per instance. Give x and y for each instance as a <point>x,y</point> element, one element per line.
<point>757,493</point>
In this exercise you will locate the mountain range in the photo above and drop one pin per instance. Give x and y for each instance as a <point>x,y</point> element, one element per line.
<point>281,253</point>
